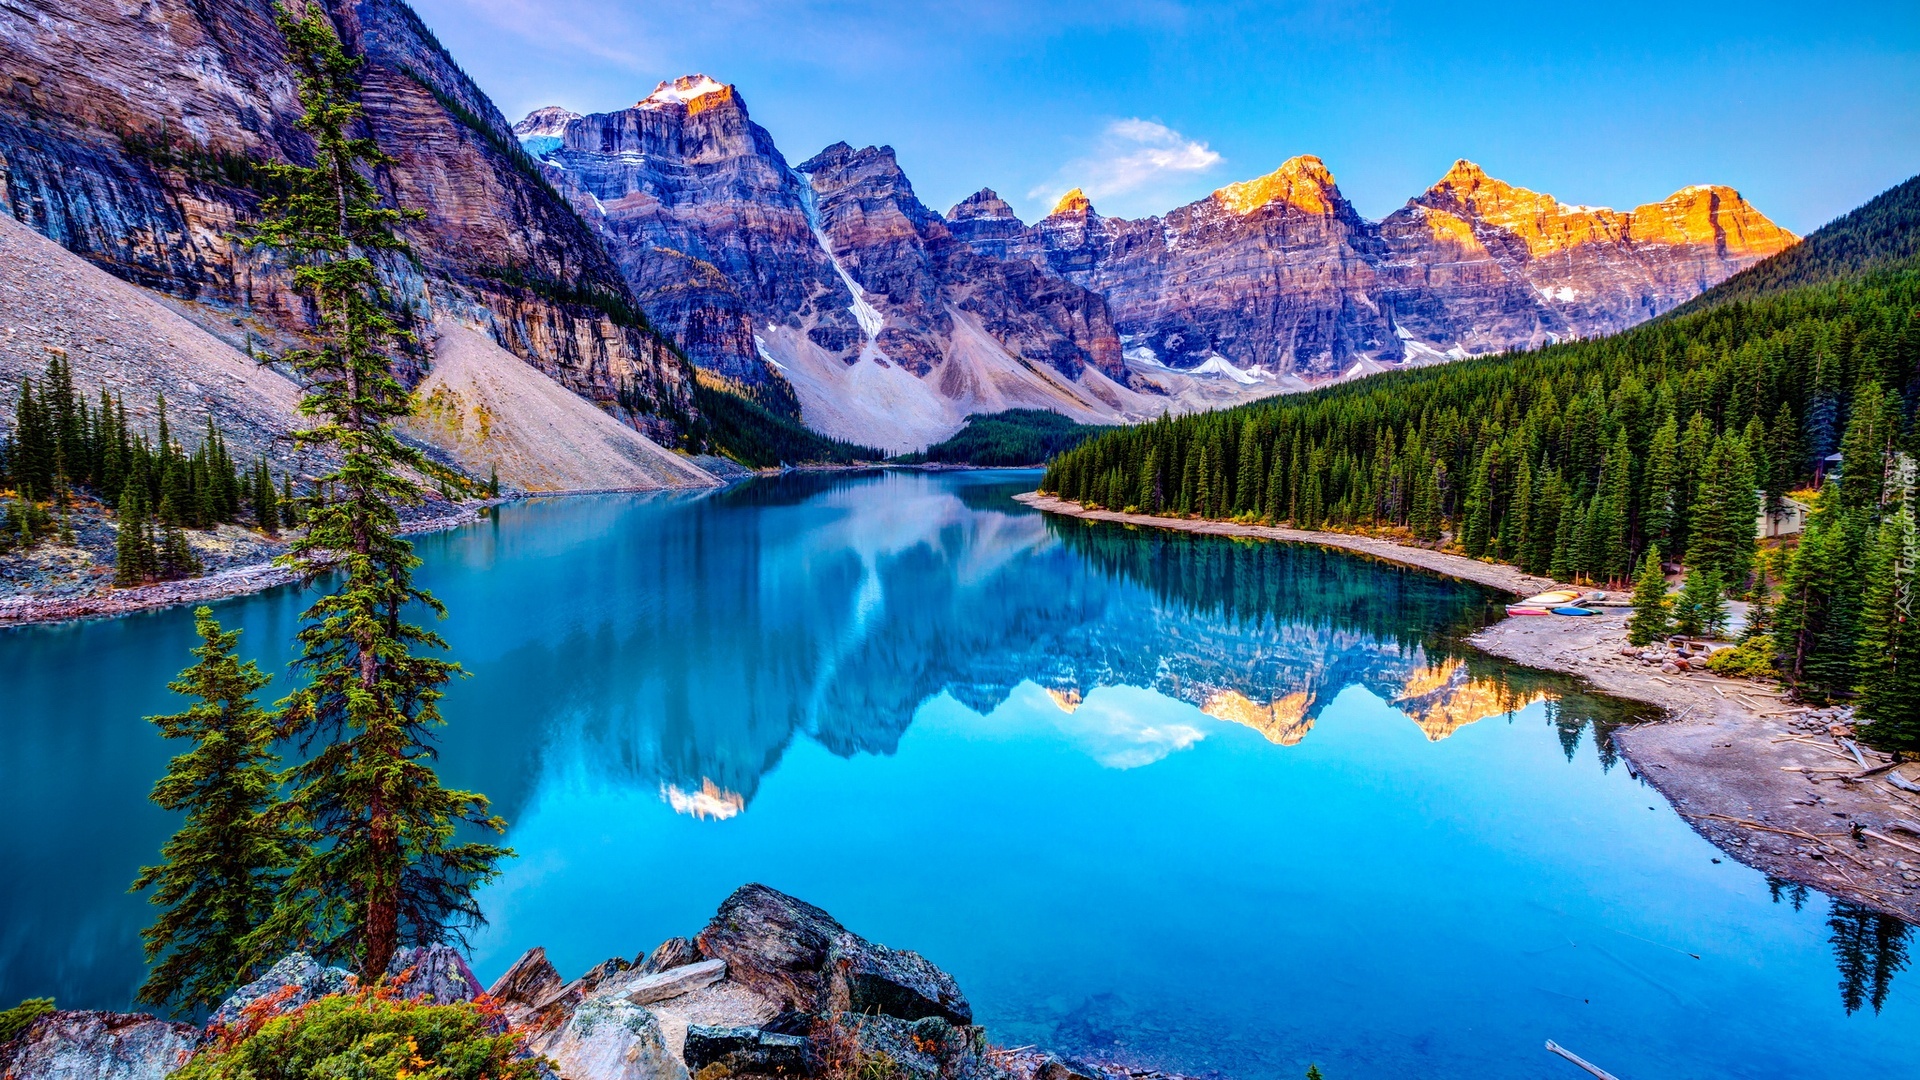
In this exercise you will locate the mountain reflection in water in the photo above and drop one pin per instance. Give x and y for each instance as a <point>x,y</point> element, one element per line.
<point>847,628</point>
<point>1181,799</point>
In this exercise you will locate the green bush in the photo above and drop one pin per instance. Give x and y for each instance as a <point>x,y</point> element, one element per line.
<point>15,1020</point>
<point>1752,659</point>
<point>368,1035</point>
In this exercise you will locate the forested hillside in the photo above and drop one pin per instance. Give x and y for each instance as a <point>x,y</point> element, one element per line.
<point>1884,234</point>
<point>1578,460</point>
<point>1010,438</point>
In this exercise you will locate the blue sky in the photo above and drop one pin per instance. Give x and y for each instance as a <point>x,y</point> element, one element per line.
<point>1808,109</point>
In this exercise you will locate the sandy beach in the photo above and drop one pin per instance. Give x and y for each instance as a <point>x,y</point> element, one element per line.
<point>1775,785</point>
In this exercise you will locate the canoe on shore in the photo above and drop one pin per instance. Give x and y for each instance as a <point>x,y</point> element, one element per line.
<point>1523,609</point>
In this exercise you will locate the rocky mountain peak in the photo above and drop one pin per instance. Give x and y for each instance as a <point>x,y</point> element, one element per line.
<point>694,93</point>
<point>985,204</point>
<point>1302,182</point>
<point>547,121</point>
<point>1073,202</point>
<point>1709,214</point>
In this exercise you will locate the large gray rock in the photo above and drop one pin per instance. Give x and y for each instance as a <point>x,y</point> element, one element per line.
<point>796,954</point>
<point>925,1049</point>
<point>674,982</point>
<point>437,973</point>
<point>97,1046</point>
<point>745,1051</point>
<point>801,956</point>
<point>893,982</point>
<point>773,943</point>
<point>611,1038</point>
<point>307,977</point>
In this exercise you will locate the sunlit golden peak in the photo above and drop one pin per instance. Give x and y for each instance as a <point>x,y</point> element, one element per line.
<point>1302,182</point>
<point>1073,202</point>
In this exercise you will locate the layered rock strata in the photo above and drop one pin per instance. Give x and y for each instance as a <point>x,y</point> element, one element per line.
<point>1280,275</point>
<point>831,282</point>
<point>134,135</point>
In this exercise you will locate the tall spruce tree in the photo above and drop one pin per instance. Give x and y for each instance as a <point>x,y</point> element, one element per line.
<point>1815,618</point>
<point>1889,651</point>
<point>388,869</point>
<point>224,866</point>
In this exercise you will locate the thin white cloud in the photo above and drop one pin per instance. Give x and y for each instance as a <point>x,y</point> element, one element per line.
<point>1131,155</point>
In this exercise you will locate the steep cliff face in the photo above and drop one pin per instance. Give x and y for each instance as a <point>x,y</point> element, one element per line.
<point>132,136</point>
<point>830,281</point>
<point>910,266</point>
<point>703,216</point>
<point>1280,276</point>
<point>1593,270</point>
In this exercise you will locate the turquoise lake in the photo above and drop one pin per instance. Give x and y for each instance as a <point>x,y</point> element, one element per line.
<point>1214,806</point>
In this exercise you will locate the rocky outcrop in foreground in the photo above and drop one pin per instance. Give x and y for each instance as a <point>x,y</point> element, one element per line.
<point>772,987</point>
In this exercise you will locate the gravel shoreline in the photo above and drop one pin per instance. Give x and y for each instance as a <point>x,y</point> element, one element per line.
<point>220,585</point>
<point>1773,784</point>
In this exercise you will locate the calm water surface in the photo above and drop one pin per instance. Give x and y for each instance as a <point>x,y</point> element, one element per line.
<point>1217,806</point>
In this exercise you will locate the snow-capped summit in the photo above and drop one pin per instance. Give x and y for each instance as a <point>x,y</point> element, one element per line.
<point>685,90</point>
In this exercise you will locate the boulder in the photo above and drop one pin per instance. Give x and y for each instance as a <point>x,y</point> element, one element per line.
<point>801,957</point>
<point>437,973</point>
<point>671,953</point>
<point>531,978</point>
<point>926,1049</point>
<point>611,1038</point>
<point>97,1046</point>
<point>773,944</point>
<point>893,982</point>
<point>297,977</point>
<point>674,982</point>
<point>745,1051</point>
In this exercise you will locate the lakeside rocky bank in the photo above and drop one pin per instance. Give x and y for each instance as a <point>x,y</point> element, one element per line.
<point>771,987</point>
<point>1780,787</point>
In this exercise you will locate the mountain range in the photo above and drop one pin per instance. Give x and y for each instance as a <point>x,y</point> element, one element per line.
<point>890,322</point>
<point>613,255</point>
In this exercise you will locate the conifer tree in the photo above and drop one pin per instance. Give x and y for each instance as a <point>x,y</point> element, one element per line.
<point>1725,513</point>
<point>226,862</point>
<point>1889,651</point>
<point>388,870</point>
<point>1649,621</point>
<point>1815,618</point>
<point>134,558</point>
<point>1700,607</point>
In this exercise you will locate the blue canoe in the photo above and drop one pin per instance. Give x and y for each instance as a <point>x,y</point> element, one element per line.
<point>1574,611</point>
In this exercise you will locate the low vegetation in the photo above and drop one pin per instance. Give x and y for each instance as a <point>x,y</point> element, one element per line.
<point>367,1033</point>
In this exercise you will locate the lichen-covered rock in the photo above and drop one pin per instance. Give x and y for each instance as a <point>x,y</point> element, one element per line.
<point>97,1046</point>
<point>610,1038</point>
<point>795,953</point>
<point>925,1049</point>
<point>893,982</point>
<point>301,977</point>
<point>436,972</point>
